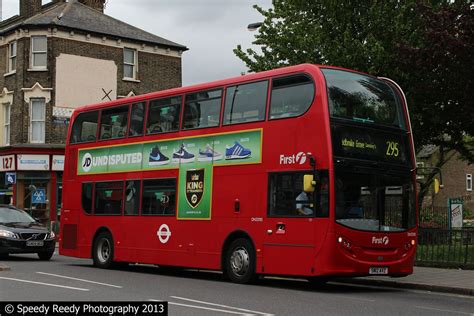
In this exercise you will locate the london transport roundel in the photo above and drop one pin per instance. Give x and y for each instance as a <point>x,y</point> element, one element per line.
<point>163,233</point>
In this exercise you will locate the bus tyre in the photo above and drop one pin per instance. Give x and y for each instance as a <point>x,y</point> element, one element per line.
<point>103,251</point>
<point>318,281</point>
<point>240,261</point>
<point>46,255</point>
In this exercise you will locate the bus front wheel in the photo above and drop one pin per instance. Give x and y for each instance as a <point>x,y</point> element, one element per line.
<point>103,251</point>
<point>240,261</point>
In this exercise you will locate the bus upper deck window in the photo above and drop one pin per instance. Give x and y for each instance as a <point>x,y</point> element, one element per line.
<point>113,122</point>
<point>363,99</point>
<point>291,96</point>
<point>136,119</point>
<point>163,115</point>
<point>202,109</point>
<point>84,128</point>
<point>245,103</point>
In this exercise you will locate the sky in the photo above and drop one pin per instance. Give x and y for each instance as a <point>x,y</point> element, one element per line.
<point>211,29</point>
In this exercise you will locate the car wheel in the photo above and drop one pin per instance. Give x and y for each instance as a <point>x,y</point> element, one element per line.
<point>240,261</point>
<point>46,255</point>
<point>103,250</point>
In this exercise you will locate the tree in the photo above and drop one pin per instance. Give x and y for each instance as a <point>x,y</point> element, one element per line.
<point>426,46</point>
<point>440,78</point>
<point>439,75</point>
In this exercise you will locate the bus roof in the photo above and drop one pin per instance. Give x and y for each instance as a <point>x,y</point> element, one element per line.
<point>209,85</point>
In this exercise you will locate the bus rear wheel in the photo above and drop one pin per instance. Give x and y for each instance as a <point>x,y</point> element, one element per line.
<point>318,281</point>
<point>103,250</point>
<point>240,261</point>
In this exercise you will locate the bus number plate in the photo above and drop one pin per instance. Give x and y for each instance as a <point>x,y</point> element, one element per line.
<point>33,243</point>
<point>378,270</point>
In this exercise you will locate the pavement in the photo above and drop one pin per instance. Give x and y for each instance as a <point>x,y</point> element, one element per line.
<point>453,281</point>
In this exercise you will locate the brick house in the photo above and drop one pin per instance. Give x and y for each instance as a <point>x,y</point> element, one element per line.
<point>56,57</point>
<point>457,181</point>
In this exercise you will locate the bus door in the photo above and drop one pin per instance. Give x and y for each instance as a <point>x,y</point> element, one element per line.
<point>69,221</point>
<point>289,230</point>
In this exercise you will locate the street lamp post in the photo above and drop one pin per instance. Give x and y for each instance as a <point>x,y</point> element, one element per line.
<point>254,26</point>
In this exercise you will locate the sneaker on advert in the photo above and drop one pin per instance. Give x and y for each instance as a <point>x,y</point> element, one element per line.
<point>182,155</point>
<point>209,154</point>
<point>237,151</point>
<point>157,158</point>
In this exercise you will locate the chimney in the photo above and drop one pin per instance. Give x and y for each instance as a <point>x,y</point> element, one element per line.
<point>28,8</point>
<point>98,5</point>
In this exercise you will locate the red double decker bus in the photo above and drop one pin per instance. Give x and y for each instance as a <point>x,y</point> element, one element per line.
<point>301,171</point>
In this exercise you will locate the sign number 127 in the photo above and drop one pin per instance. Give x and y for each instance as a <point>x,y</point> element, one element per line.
<point>7,163</point>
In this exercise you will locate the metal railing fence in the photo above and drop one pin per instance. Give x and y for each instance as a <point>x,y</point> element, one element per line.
<point>445,248</point>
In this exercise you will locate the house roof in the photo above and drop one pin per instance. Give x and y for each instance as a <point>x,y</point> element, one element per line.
<point>426,151</point>
<point>75,15</point>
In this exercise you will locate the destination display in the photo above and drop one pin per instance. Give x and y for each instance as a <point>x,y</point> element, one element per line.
<point>370,144</point>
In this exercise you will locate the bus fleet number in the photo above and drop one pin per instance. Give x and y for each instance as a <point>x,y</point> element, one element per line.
<point>392,149</point>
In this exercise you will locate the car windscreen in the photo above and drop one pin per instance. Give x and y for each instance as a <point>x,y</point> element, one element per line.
<point>361,98</point>
<point>10,215</point>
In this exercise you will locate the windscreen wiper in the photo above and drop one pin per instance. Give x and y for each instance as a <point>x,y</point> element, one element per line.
<point>362,120</point>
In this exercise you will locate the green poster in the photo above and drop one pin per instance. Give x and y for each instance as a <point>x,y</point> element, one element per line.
<point>195,192</point>
<point>110,159</point>
<point>222,149</point>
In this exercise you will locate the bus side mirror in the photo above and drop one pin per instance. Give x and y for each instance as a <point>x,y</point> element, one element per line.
<point>309,183</point>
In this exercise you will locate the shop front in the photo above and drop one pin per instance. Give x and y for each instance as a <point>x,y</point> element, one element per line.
<point>32,180</point>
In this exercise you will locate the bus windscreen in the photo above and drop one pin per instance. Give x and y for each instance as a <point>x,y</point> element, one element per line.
<point>370,201</point>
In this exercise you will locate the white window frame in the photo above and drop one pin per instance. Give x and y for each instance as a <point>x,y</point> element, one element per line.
<point>134,64</point>
<point>469,182</point>
<point>33,53</point>
<point>6,123</point>
<point>43,120</point>
<point>12,53</point>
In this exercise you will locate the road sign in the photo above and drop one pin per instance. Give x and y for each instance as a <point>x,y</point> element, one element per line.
<point>455,208</point>
<point>38,197</point>
<point>10,178</point>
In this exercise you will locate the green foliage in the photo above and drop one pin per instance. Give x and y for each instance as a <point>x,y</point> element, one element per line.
<point>426,46</point>
<point>468,214</point>
<point>433,220</point>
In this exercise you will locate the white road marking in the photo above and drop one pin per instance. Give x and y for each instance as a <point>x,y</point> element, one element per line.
<point>47,284</point>
<point>202,307</point>
<point>443,310</point>
<point>212,309</point>
<point>82,280</point>
<point>220,305</point>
